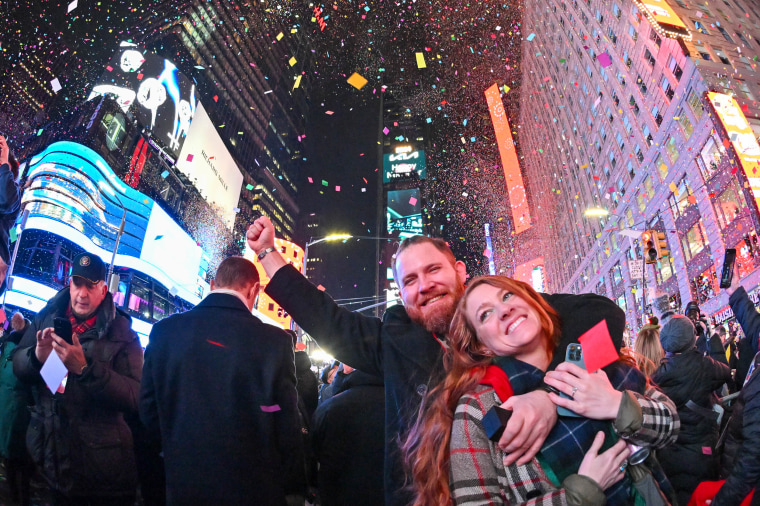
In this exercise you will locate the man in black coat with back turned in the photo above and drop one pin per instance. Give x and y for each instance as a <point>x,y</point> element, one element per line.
<point>219,387</point>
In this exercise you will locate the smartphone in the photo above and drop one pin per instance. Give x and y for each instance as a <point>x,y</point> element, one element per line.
<point>62,328</point>
<point>728,268</point>
<point>574,355</point>
<point>495,421</point>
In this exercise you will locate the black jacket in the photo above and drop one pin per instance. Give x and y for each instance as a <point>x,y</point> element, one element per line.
<point>348,441</point>
<point>744,426</point>
<point>406,356</point>
<point>691,377</point>
<point>307,383</point>
<point>10,205</point>
<point>713,348</point>
<point>745,353</point>
<point>79,439</point>
<point>219,387</point>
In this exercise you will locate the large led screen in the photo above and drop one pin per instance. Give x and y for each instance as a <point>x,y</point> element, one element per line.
<point>515,187</point>
<point>204,159</point>
<point>404,166</point>
<point>404,212</point>
<point>165,99</point>
<point>741,136</point>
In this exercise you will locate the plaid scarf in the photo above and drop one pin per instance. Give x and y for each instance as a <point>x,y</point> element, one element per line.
<point>78,326</point>
<point>571,437</point>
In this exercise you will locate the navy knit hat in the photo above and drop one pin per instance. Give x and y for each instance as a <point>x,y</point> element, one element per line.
<point>678,335</point>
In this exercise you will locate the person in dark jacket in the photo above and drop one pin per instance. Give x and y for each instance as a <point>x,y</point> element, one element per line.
<point>347,437</point>
<point>689,378</point>
<point>307,382</point>
<point>219,389</point>
<point>744,352</point>
<point>741,462</point>
<point>79,438</point>
<point>15,397</point>
<point>406,347</point>
<point>708,342</point>
<point>10,205</point>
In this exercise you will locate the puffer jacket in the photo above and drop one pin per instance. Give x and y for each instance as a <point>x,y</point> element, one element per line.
<point>79,439</point>
<point>15,397</point>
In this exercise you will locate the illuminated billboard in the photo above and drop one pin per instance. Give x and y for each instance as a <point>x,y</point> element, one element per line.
<point>204,159</point>
<point>404,212</point>
<point>741,136</point>
<point>293,254</point>
<point>74,194</point>
<point>515,187</point>
<point>165,100</point>
<point>664,19</point>
<point>532,272</point>
<point>404,166</point>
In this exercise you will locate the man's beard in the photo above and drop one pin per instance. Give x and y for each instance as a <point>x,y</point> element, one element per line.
<point>438,320</point>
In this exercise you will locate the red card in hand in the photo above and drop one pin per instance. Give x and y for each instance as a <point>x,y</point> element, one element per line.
<point>598,349</point>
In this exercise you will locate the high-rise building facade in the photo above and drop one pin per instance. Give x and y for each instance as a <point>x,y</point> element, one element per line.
<point>250,70</point>
<point>648,112</point>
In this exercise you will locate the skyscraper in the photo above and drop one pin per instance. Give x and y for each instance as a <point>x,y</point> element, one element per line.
<point>646,112</point>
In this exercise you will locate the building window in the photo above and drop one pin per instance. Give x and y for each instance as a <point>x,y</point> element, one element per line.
<point>626,124</point>
<point>729,204</point>
<point>633,33</point>
<point>694,241</point>
<point>648,57</point>
<point>744,89</point>
<point>665,85</point>
<point>599,17</point>
<point>656,115</point>
<point>647,135</point>
<point>671,149</point>
<point>700,27</point>
<point>616,11</point>
<point>726,35</point>
<point>744,39</point>
<point>649,187</point>
<point>627,59</point>
<point>641,199</point>
<point>655,38</point>
<point>662,168</point>
<point>696,104</point>
<point>641,84</point>
<point>723,57</point>
<point>631,169</point>
<point>666,269</point>
<point>685,123</point>
<point>675,68</point>
<point>703,52</point>
<point>611,35</point>
<point>617,274</point>
<point>608,112</point>
<point>612,159</point>
<point>634,105</point>
<point>711,156</point>
<point>620,141</point>
<point>639,154</point>
<point>682,199</point>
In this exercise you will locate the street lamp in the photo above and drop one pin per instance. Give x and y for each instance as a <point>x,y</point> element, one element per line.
<point>596,212</point>
<point>332,237</point>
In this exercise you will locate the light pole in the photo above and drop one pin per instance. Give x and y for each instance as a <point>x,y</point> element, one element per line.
<point>332,237</point>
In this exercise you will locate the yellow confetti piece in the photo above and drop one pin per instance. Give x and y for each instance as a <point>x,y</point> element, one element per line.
<point>421,61</point>
<point>506,88</point>
<point>357,81</point>
<point>280,36</point>
<point>298,82</point>
<point>292,61</point>
<point>584,166</point>
<point>673,187</point>
<point>293,30</point>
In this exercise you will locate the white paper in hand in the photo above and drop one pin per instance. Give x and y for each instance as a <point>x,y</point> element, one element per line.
<point>53,371</point>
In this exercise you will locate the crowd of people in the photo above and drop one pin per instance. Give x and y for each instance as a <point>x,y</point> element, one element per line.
<point>465,394</point>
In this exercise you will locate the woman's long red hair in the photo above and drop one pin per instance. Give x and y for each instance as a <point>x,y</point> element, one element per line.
<point>426,448</point>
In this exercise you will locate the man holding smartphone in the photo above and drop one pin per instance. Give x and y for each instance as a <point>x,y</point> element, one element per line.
<point>78,436</point>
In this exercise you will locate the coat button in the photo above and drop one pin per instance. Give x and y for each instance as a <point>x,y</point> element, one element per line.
<point>422,390</point>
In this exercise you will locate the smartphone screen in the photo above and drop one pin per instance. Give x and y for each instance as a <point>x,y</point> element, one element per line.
<point>728,268</point>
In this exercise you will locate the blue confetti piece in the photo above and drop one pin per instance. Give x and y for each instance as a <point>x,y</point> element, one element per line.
<point>164,174</point>
<point>531,36</point>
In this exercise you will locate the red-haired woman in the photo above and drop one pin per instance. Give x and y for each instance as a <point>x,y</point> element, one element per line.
<point>504,329</point>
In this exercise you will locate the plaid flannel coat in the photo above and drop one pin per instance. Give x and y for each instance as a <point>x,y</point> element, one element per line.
<point>479,476</point>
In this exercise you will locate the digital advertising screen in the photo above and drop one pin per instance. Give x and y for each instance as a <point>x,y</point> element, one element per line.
<point>404,166</point>
<point>165,99</point>
<point>663,13</point>
<point>205,160</point>
<point>404,212</point>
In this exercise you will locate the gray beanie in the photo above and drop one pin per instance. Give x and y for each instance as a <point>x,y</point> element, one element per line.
<point>677,335</point>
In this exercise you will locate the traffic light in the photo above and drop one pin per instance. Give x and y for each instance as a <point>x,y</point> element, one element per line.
<point>661,244</point>
<point>648,244</point>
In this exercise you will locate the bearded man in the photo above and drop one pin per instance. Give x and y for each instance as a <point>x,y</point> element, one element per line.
<point>406,347</point>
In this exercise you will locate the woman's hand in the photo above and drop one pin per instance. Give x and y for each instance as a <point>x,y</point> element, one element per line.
<point>592,395</point>
<point>606,468</point>
<point>3,150</point>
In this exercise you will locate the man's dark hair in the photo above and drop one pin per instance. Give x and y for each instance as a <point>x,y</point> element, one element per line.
<point>439,244</point>
<point>236,273</point>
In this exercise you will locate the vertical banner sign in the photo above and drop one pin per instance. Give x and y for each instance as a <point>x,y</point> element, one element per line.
<point>514,180</point>
<point>489,248</point>
<point>742,138</point>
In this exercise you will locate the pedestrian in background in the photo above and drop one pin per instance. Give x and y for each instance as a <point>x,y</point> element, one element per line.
<point>10,204</point>
<point>648,349</point>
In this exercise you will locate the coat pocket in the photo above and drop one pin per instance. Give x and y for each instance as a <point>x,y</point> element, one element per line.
<point>35,437</point>
<point>107,457</point>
